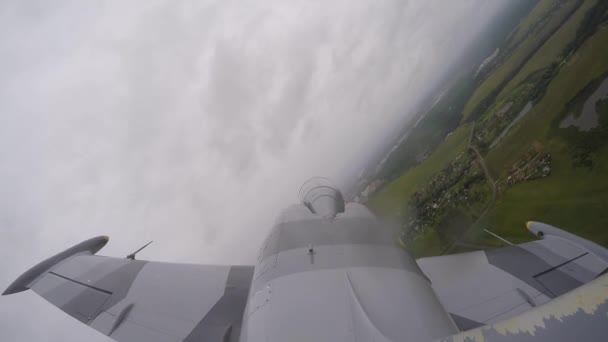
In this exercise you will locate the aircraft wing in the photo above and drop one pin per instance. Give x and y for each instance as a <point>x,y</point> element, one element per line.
<point>579,315</point>
<point>485,288</point>
<point>135,300</point>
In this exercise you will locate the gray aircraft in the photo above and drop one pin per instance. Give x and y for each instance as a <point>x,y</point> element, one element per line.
<point>330,271</point>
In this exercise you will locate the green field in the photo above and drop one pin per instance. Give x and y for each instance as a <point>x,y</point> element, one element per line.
<point>520,54</point>
<point>583,67</point>
<point>430,131</point>
<point>551,50</point>
<point>540,10</point>
<point>428,244</point>
<point>392,198</point>
<point>572,197</point>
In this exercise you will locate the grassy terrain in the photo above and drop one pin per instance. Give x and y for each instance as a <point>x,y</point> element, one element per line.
<point>392,198</point>
<point>573,197</point>
<point>430,131</point>
<point>551,50</point>
<point>602,107</point>
<point>541,9</point>
<point>427,244</point>
<point>589,62</point>
<point>519,56</point>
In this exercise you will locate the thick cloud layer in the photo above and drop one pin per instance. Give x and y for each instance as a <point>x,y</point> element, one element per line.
<point>192,123</point>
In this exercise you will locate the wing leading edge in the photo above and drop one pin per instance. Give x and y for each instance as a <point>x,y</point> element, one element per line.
<point>135,300</point>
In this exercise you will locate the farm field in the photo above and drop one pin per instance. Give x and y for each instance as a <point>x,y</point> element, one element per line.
<point>542,171</point>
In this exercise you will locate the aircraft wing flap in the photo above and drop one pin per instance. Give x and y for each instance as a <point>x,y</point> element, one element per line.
<point>489,286</point>
<point>579,315</point>
<point>77,300</point>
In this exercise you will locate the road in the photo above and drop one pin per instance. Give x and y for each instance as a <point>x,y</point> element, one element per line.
<point>482,162</point>
<point>484,167</point>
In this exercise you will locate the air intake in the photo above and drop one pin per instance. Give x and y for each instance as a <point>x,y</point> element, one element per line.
<point>321,197</point>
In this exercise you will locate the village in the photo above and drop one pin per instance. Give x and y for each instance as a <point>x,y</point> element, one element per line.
<point>532,165</point>
<point>461,186</point>
<point>456,186</point>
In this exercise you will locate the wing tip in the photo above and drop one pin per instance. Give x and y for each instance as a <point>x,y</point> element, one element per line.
<point>26,280</point>
<point>12,289</point>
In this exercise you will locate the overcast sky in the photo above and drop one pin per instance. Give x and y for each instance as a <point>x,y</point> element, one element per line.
<point>192,123</point>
